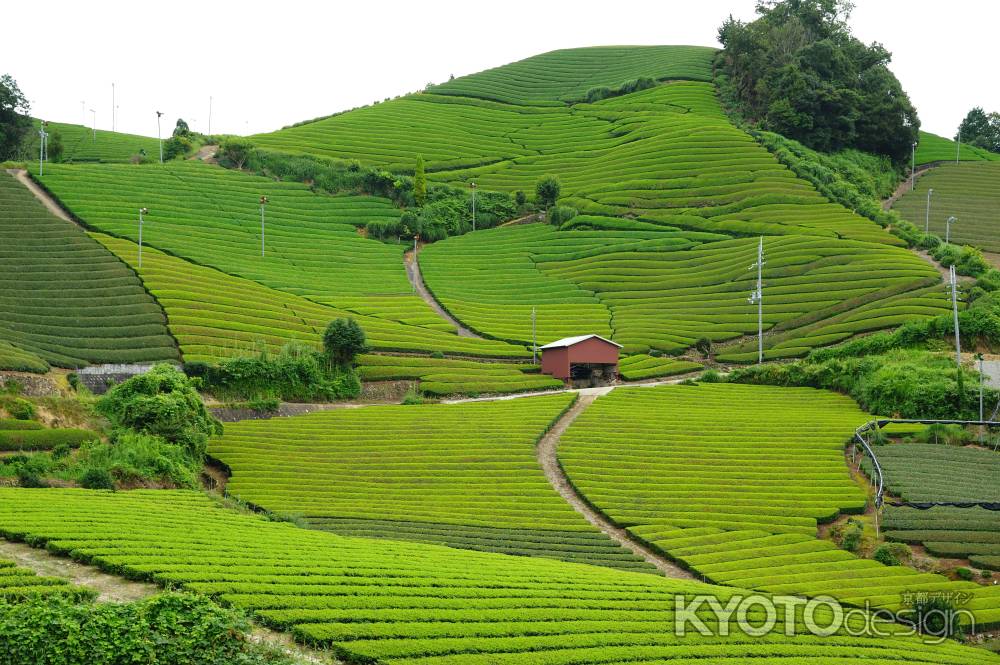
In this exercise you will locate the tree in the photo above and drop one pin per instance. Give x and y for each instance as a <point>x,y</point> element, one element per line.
<point>981,129</point>
<point>547,190</point>
<point>343,340</point>
<point>797,70</point>
<point>237,150</point>
<point>420,182</point>
<point>14,119</point>
<point>181,128</point>
<point>55,147</point>
<point>162,402</point>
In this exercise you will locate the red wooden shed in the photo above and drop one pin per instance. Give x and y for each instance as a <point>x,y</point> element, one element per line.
<point>586,358</point>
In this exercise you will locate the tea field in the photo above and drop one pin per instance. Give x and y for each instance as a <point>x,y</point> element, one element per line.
<point>66,300</point>
<point>82,144</point>
<point>933,148</point>
<point>969,191</point>
<point>930,473</point>
<point>731,482</point>
<point>948,531</point>
<point>410,472</point>
<point>17,583</point>
<point>371,600</point>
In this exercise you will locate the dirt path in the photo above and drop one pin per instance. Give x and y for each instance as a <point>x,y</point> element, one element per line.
<point>41,194</point>
<point>111,588</point>
<point>546,452</point>
<point>108,587</point>
<point>904,185</point>
<point>206,153</point>
<point>416,279</point>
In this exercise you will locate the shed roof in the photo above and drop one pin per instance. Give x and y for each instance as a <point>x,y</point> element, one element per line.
<point>570,341</point>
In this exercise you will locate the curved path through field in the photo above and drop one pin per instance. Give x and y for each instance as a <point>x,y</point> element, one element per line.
<point>411,261</point>
<point>22,177</point>
<point>547,457</point>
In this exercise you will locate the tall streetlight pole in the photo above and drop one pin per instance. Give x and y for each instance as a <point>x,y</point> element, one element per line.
<point>947,228</point>
<point>534,339</point>
<point>159,114</point>
<point>416,237</point>
<point>263,202</point>
<point>41,147</point>
<point>95,123</point>
<point>958,145</point>
<point>927,221</point>
<point>142,211</point>
<point>472,186</point>
<point>757,296</point>
<point>913,165</point>
<point>979,357</point>
<point>954,309</point>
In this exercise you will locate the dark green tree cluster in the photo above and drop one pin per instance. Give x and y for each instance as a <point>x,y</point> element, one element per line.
<point>14,119</point>
<point>798,71</point>
<point>981,129</point>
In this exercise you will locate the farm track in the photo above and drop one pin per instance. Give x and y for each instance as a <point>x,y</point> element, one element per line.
<point>22,177</point>
<point>547,457</point>
<point>111,588</point>
<point>411,262</point>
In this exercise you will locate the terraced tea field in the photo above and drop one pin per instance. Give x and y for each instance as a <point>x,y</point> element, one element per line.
<point>67,301</point>
<point>666,155</point>
<point>667,290</point>
<point>969,191</point>
<point>731,481</point>
<point>410,472</point>
<point>396,602</point>
<point>929,473</point>
<point>82,144</point>
<point>946,531</point>
<point>933,148</point>
<point>18,583</point>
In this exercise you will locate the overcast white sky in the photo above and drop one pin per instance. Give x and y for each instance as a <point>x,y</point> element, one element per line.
<point>268,64</point>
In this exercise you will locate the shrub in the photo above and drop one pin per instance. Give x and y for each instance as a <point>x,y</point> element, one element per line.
<point>18,408</point>
<point>704,346</point>
<point>559,215</point>
<point>176,146</point>
<point>933,614</point>
<point>711,376</point>
<point>29,478</point>
<point>964,574</point>
<point>848,535</point>
<point>885,555</point>
<point>97,479</point>
<point>419,182</point>
<point>520,198</point>
<point>161,402</point>
<point>411,397</point>
<point>133,457</point>
<point>343,340</point>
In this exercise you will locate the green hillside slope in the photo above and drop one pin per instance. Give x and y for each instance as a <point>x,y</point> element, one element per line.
<point>65,298</point>
<point>733,482</point>
<point>464,475</point>
<point>934,148</point>
<point>666,154</point>
<point>970,191</point>
<point>394,602</point>
<point>82,144</point>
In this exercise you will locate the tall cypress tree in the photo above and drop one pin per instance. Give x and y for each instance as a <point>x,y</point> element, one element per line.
<point>420,182</point>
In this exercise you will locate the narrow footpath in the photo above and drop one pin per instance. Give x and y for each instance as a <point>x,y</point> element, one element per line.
<point>547,456</point>
<point>22,176</point>
<point>411,262</point>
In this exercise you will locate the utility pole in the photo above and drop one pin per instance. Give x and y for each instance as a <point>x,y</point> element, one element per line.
<point>927,222</point>
<point>472,186</point>
<point>41,148</point>
<point>757,296</point>
<point>958,144</point>
<point>947,228</point>
<point>263,202</point>
<point>954,309</point>
<point>534,339</point>
<point>913,165</point>
<point>979,357</point>
<point>158,138</point>
<point>142,211</point>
